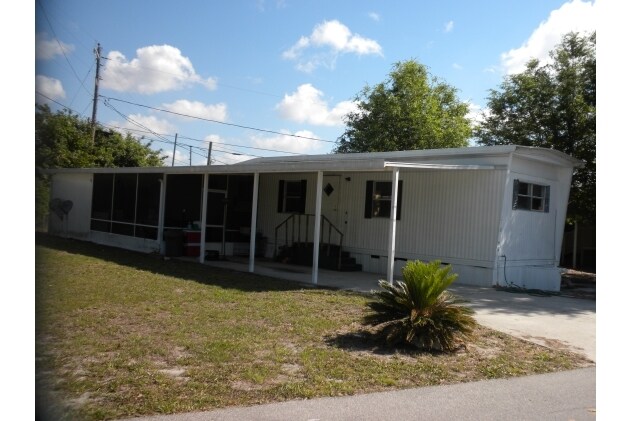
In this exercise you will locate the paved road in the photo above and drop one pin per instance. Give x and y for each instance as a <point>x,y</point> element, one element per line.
<point>569,395</point>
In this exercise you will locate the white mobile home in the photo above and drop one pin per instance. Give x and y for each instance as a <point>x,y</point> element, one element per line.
<point>496,213</point>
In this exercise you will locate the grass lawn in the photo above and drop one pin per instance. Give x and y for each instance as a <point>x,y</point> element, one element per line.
<point>120,334</point>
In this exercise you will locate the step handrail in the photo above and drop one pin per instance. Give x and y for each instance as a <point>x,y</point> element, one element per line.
<point>299,217</point>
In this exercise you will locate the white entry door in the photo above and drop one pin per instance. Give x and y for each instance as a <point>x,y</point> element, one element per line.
<point>331,203</point>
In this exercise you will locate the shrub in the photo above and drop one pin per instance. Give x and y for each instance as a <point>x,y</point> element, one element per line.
<point>419,311</point>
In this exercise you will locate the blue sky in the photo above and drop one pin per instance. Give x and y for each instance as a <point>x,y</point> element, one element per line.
<point>283,66</point>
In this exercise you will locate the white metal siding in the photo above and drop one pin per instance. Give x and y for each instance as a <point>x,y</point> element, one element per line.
<point>447,215</point>
<point>78,189</point>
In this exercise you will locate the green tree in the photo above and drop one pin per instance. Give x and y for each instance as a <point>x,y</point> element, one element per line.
<point>552,106</point>
<point>410,110</point>
<point>64,140</point>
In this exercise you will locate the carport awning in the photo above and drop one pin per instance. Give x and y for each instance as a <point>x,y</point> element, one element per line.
<point>394,164</point>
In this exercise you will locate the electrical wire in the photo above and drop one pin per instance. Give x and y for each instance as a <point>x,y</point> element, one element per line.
<point>61,46</point>
<point>216,121</point>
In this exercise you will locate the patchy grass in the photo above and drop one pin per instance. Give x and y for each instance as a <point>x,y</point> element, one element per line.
<point>122,334</point>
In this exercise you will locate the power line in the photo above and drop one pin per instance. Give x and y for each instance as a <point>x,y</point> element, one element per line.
<point>61,46</point>
<point>219,143</point>
<point>217,121</point>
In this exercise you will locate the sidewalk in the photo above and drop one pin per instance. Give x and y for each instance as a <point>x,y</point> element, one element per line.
<point>569,395</point>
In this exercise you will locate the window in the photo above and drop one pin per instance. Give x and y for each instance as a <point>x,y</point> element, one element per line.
<point>126,204</point>
<point>532,197</point>
<point>379,199</point>
<point>292,195</point>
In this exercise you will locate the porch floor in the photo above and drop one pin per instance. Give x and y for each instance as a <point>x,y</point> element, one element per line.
<point>354,281</point>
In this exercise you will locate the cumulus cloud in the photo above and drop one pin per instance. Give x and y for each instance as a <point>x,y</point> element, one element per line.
<point>48,48</point>
<point>328,40</point>
<point>575,15</point>
<point>50,87</point>
<point>476,113</point>
<point>449,26</point>
<point>157,68</point>
<point>150,122</point>
<point>217,112</point>
<point>290,143</point>
<point>374,16</point>
<point>307,106</point>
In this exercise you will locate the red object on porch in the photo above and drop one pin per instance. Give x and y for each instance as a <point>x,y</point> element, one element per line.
<point>191,243</point>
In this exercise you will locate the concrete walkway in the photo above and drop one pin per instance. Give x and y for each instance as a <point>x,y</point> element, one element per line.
<point>569,395</point>
<point>554,321</point>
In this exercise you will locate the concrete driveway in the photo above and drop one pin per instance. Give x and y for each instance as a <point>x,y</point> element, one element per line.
<point>554,321</point>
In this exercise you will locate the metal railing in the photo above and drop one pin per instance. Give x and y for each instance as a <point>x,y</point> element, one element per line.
<point>296,227</point>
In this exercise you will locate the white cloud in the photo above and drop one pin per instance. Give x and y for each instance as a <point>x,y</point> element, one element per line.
<point>456,66</point>
<point>146,122</point>
<point>224,154</point>
<point>476,113</point>
<point>327,41</point>
<point>290,143</point>
<point>50,87</point>
<point>46,49</point>
<point>449,26</point>
<point>307,106</point>
<point>156,68</point>
<point>374,16</point>
<point>576,15</point>
<point>217,112</point>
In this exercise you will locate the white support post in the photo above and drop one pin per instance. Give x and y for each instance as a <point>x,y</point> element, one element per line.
<point>202,236</point>
<point>316,229</point>
<point>163,191</point>
<point>393,223</point>
<point>255,201</point>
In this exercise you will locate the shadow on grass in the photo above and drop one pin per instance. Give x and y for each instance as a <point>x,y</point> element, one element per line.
<point>365,341</point>
<point>154,263</point>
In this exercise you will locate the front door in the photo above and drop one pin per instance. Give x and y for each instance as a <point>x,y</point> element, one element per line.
<point>331,206</point>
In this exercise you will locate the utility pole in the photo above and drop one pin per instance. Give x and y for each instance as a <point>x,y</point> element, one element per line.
<point>174,146</point>
<point>190,156</point>
<point>97,53</point>
<point>210,151</point>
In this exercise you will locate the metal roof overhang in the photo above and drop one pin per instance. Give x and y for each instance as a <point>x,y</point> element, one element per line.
<point>364,165</point>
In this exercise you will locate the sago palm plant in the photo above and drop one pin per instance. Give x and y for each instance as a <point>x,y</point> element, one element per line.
<point>419,311</point>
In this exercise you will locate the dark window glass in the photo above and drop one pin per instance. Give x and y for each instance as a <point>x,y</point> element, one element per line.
<point>146,232</point>
<point>148,204</point>
<point>102,196</point>
<point>294,197</point>
<point>217,182</point>
<point>183,200</point>
<point>104,226</point>
<point>123,229</point>
<point>532,197</point>
<point>378,200</point>
<point>124,208</point>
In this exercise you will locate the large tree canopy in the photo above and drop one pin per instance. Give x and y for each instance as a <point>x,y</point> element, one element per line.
<point>410,110</point>
<point>552,106</point>
<point>64,140</point>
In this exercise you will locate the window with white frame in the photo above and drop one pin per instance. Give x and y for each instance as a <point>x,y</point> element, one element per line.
<point>292,196</point>
<point>531,197</point>
<point>379,199</point>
